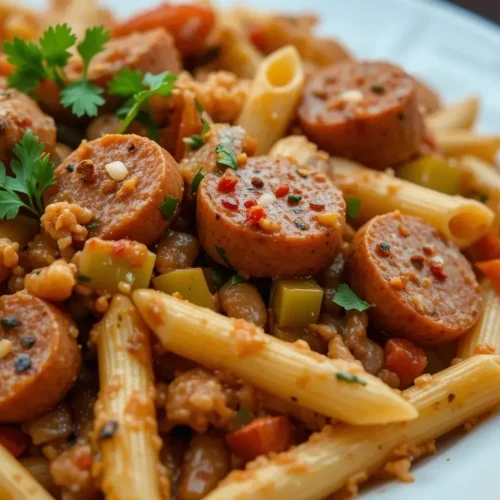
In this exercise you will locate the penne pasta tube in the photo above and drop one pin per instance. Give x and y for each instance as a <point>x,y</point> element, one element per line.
<point>462,220</point>
<point>16,483</point>
<point>480,176</point>
<point>273,98</point>
<point>484,338</point>
<point>324,464</point>
<point>463,142</point>
<point>125,424</point>
<point>459,115</point>
<point>334,388</point>
<point>301,150</point>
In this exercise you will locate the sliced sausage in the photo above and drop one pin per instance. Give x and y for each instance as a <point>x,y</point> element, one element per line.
<point>18,113</point>
<point>422,287</point>
<point>272,217</point>
<point>128,208</point>
<point>44,357</point>
<point>366,111</point>
<point>428,99</point>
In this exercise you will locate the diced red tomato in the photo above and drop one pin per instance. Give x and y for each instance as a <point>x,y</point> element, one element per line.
<point>13,439</point>
<point>281,190</point>
<point>261,437</point>
<point>250,203</point>
<point>405,359</point>
<point>189,24</point>
<point>255,214</point>
<point>227,183</point>
<point>258,37</point>
<point>488,247</point>
<point>491,269</point>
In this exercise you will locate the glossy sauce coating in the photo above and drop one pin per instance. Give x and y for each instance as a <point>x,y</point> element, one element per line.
<point>301,227</point>
<point>422,287</point>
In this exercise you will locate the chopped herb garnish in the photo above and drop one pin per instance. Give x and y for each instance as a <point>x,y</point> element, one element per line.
<point>300,224</point>
<point>353,207</point>
<point>22,363</point>
<point>82,278</point>
<point>237,279</point>
<point>378,88</point>
<point>70,167</point>
<point>10,322</point>
<point>168,207</point>
<point>297,210</point>
<point>294,198</point>
<point>93,224</point>
<point>385,247</point>
<point>33,174</point>
<point>244,415</point>
<point>347,377</point>
<point>301,173</point>
<point>27,341</point>
<point>197,180</point>
<point>193,142</point>
<point>346,298</point>
<point>222,254</point>
<point>108,430</point>
<point>226,156</point>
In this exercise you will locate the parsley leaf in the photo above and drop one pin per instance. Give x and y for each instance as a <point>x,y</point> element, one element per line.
<point>83,97</point>
<point>195,184</point>
<point>222,254</point>
<point>126,83</point>
<point>244,415</point>
<point>348,377</point>
<point>28,61</point>
<point>54,45</point>
<point>353,207</point>
<point>168,207</point>
<point>95,223</point>
<point>226,156</point>
<point>93,42</point>
<point>237,279</point>
<point>33,174</point>
<point>346,298</point>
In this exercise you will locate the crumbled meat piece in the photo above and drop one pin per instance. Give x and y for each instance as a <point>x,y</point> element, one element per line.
<point>54,283</point>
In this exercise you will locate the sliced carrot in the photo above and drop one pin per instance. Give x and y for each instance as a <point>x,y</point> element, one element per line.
<point>189,24</point>
<point>13,439</point>
<point>487,247</point>
<point>491,269</point>
<point>261,437</point>
<point>405,359</point>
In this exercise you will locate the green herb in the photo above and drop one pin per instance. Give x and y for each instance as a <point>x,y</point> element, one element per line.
<point>301,173</point>
<point>93,224</point>
<point>294,198</point>
<point>218,279</point>
<point>378,88</point>
<point>300,224</point>
<point>226,156</point>
<point>346,298</point>
<point>222,254</point>
<point>196,141</point>
<point>10,322</point>
<point>168,207</point>
<point>82,278</point>
<point>347,377</point>
<point>244,415</point>
<point>33,174</point>
<point>353,207</point>
<point>197,180</point>
<point>237,279</point>
<point>126,83</point>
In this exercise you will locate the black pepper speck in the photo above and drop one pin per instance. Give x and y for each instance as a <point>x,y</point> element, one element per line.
<point>22,363</point>
<point>108,430</point>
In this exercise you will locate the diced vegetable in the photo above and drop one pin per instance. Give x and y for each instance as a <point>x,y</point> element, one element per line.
<point>189,283</point>
<point>488,247</point>
<point>13,439</point>
<point>432,172</point>
<point>261,437</point>
<point>104,264</point>
<point>296,302</point>
<point>405,359</point>
<point>491,269</point>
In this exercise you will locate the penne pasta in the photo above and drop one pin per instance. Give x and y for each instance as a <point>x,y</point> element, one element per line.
<point>480,176</point>
<point>273,97</point>
<point>301,150</point>
<point>484,338</point>
<point>125,423</point>
<point>327,460</point>
<point>16,483</point>
<point>459,115</point>
<point>334,388</point>
<point>462,220</point>
<point>463,142</point>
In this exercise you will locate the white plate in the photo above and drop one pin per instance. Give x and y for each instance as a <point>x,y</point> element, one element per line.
<point>459,54</point>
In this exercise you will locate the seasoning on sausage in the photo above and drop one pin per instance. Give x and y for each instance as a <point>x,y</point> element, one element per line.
<point>18,113</point>
<point>44,357</point>
<point>366,111</point>
<point>132,178</point>
<point>422,287</point>
<point>271,217</point>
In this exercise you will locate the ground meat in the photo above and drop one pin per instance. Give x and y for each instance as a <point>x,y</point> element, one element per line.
<point>9,257</point>
<point>222,94</point>
<point>389,378</point>
<point>53,283</point>
<point>42,251</point>
<point>197,398</point>
<point>65,222</point>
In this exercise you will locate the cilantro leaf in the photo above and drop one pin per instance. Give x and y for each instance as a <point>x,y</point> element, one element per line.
<point>54,44</point>
<point>195,184</point>
<point>194,142</point>
<point>93,42</point>
<point>353,207</point>
<point>221,252</point>
<point>28,61</point>
<point>346,298</point>
<point>226,156</point>
<point>83,97</point>
<point>237,279</point>
<point>168,207</point>
<point>126,83</point>
<point>348,377</point>
<point>10,203</point>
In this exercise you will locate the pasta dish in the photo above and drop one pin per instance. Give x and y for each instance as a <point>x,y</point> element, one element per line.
<point>236,262</point>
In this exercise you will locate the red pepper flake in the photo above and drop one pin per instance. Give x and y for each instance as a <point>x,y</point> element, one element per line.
<point>255,214</point>
<point>230,203</point>
<point>438,272</point>
<point>227,183</point>
<point>257,182</point>
<point>281,191</point>
<point>317,205</point>
<point>297,190</point>
<point>429,250</point>
<point>250,203</point>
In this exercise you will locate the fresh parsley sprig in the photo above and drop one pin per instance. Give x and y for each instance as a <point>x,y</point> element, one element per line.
<point>226,156</point>
<point>33,174</point>
<point>46,60</point>
<point>346,298</point>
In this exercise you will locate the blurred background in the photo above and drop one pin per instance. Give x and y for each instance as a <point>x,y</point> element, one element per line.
<point>487,8</point>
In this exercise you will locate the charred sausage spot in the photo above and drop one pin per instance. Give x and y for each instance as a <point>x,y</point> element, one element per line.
<point>10,322</point>
<point>27,341</point>
<point>86,170</point>
<point>384,249</point>
<point>108,430</point>
<point>22,363</point>
<point>417,261</point>
<point>70,167</point>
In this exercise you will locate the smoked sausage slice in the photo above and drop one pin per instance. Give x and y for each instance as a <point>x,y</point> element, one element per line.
<point>127,208</point>
<point>272,217</point>
<point>365,111</point>
<point>44,357</point>
<point>422,287</point>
